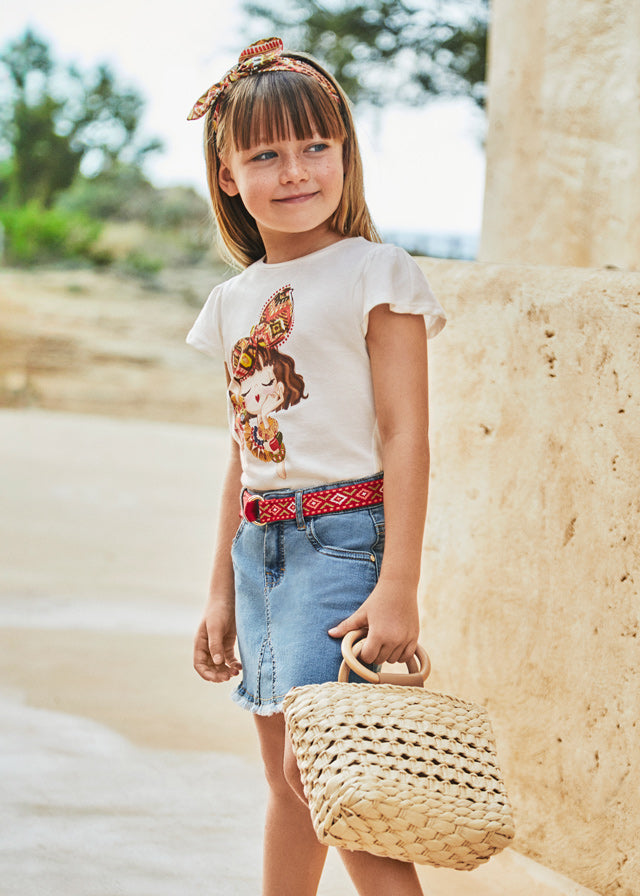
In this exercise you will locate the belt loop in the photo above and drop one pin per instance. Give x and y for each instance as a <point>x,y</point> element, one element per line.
<point>300,523</point>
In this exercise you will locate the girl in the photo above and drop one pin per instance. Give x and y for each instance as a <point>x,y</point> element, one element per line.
<point>310,560</point>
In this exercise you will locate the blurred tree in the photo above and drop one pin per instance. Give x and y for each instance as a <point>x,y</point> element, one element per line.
<point>53,119</point>
<point>385,51</point>
<point>123,193</point>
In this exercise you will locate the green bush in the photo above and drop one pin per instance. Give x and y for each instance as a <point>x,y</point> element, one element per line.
<point>33,234</point>
<point>142,265</point>
<point>120,194</point>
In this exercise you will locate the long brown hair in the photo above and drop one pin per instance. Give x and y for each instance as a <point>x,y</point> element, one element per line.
<point>278,105</point>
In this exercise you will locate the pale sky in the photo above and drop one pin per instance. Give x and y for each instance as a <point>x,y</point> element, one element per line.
<point>424,168</point>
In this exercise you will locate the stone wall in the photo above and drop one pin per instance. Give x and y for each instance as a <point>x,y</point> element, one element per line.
<point>563,144</point>
<point>531,572</point>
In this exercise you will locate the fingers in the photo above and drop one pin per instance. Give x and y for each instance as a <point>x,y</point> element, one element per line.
<point>211,659</point>
<point>376,651</point>
<point>216,651</point>
<point>372,651</point>
<point>403,654</point>
<point>216,672</point>
<point>352,623</point>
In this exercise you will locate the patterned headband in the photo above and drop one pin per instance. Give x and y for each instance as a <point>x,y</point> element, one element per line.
<point>262,56</point>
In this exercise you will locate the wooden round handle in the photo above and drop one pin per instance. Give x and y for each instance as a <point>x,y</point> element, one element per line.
<point>419,666</point>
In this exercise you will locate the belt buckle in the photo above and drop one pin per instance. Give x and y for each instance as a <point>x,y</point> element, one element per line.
<point>251,508</point>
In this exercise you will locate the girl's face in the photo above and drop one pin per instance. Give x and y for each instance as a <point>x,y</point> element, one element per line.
<point>261,391</point>
<point>291,187</point>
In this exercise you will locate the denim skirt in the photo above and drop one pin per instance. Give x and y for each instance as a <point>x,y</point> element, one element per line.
<point>295,580</point>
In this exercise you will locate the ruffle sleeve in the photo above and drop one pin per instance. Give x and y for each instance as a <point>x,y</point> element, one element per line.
<point>391,276</point>
<point>206,332</point>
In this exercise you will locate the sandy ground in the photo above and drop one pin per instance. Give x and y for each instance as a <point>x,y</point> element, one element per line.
<point>88,342</point>
<point>122,773</point>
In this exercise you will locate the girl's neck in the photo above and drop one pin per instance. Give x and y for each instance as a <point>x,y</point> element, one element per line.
<point>282,247</point>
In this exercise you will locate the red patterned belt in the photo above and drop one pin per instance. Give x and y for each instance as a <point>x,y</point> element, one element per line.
<point>353,496</point>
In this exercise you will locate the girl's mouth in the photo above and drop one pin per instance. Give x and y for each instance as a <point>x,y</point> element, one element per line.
<point>299,197</point>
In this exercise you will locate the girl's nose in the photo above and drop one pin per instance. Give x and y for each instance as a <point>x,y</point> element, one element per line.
<point>293,169</point>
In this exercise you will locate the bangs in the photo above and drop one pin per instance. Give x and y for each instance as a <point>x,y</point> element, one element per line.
<point>277,106</point>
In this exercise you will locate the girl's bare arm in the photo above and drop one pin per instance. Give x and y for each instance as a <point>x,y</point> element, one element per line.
<point>214,647</point>
<point>397,346</point>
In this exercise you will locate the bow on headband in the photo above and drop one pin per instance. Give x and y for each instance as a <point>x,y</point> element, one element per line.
<point>272,329</point>
<point>262,56</point>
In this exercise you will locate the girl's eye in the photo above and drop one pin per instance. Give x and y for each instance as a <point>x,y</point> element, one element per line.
<point>264,156</point>
<point>270,383</point>
<point>318,147</point>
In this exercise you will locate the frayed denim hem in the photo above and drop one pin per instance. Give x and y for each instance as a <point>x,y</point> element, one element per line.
<point>246,701</point>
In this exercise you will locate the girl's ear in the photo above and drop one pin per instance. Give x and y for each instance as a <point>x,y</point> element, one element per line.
<point>226,181</point>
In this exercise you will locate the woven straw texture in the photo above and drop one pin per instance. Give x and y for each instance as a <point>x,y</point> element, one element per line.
<point>401,772</point>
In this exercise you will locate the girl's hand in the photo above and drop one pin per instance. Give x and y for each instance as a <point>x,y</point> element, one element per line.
<point>214,656</point>
<point>271,403</point>
<point>390,617</point>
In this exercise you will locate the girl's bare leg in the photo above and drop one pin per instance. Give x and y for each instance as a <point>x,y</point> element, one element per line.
<point>371,875</point>
<point>293,856</point>
<point>377,876</point>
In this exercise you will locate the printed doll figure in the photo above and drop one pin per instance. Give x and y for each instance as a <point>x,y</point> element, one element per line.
<point>264,380</point>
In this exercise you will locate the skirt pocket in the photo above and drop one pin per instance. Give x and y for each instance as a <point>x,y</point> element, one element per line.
<point>353,535</point>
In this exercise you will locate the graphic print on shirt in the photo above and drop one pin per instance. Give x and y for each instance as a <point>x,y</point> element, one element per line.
<point>264,380</point>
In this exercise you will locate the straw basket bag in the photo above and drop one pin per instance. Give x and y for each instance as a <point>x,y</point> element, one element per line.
<point>398,771</point>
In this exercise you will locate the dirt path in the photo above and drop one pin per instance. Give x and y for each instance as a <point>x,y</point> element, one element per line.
<point>101,343</point>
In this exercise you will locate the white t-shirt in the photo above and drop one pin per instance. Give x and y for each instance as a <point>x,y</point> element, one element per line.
<point>292,335</point>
